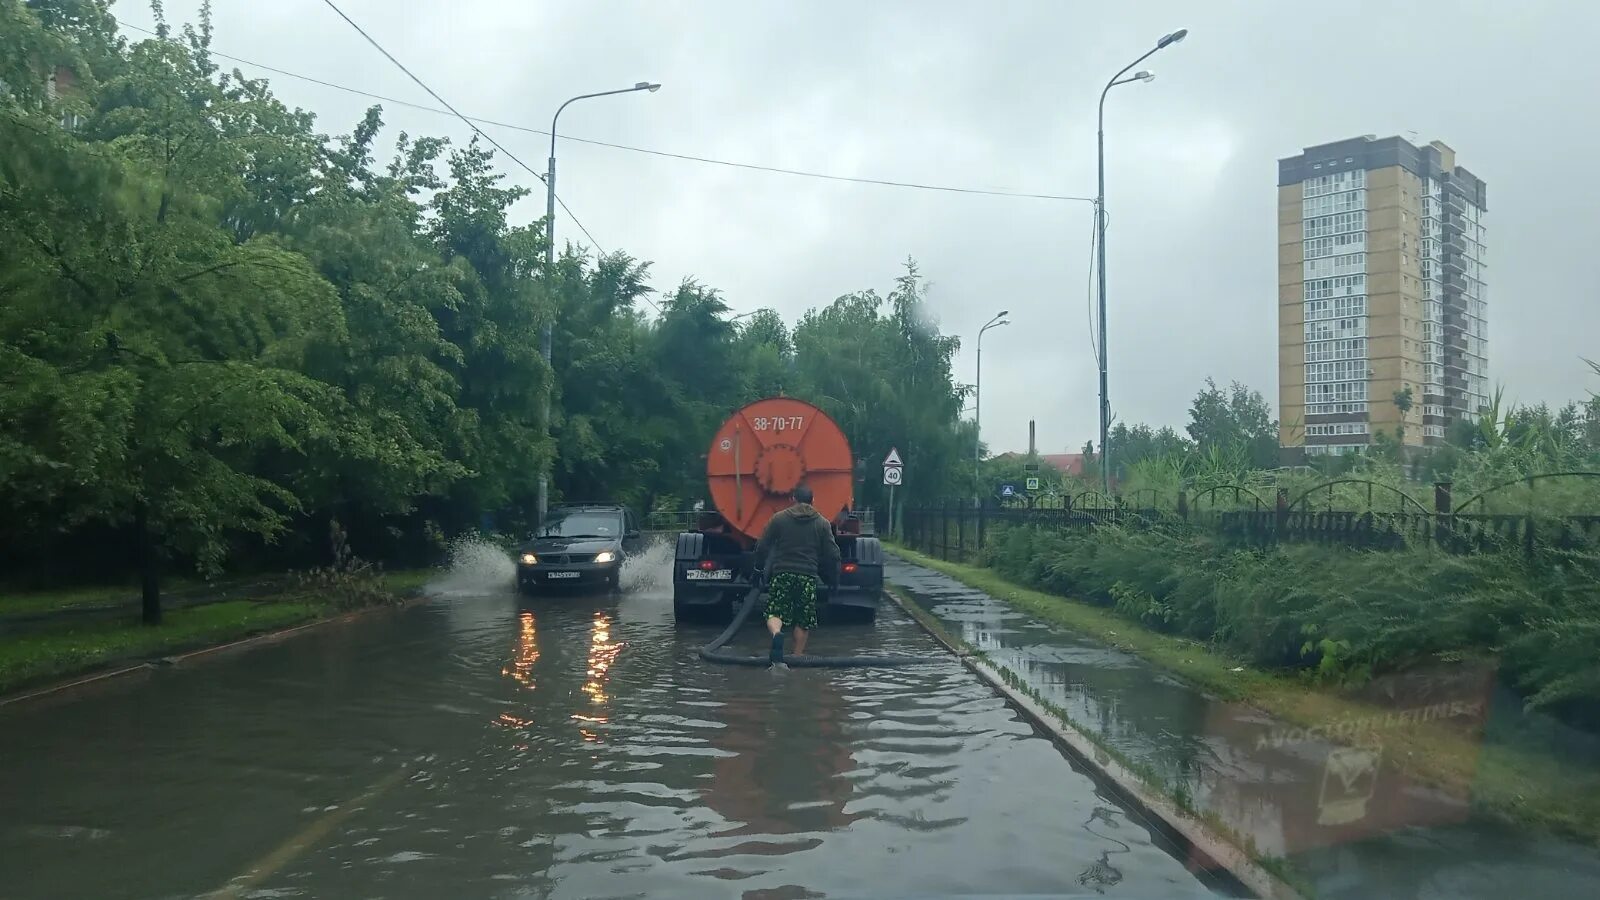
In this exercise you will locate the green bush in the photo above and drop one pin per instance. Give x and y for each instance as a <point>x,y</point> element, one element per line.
<point>1339,615</point>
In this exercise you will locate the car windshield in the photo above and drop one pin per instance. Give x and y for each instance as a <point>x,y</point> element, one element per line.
<point>582,524</point>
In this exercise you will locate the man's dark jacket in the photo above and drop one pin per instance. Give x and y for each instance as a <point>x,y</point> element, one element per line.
<point>799,540</point>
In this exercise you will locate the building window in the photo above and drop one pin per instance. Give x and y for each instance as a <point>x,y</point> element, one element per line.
<point>1336,224</point>
<point>1339,286</point>
<point>1336,428</point>
<point>1334,245</point>
<point>1334,449</point>
<point>1334,409</point>
<point>1333,183</point>
<point>1323,392</point>
<point>1346,264</point>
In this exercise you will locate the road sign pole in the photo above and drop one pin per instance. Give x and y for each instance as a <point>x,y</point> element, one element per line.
<point>893,473</point>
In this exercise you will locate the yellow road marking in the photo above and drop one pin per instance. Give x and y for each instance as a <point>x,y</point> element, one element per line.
<point>303,840</point>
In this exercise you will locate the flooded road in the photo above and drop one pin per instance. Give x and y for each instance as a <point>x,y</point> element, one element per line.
<point>1357,825</point>
<point>480,745</point>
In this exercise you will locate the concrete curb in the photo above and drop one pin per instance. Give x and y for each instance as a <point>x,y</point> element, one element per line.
<point>72,685</point>
<point>1210,848</point>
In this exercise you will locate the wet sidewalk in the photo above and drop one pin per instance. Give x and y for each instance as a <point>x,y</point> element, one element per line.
<point>1340,811</point>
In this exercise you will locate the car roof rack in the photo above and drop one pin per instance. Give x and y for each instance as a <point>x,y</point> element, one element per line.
<point>589,504</point>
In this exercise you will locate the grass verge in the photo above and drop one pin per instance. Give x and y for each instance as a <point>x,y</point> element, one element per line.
<point>1518,784</point>
<point>33,658</point>
<point>407,581</point>
<point>77,647</point>
<point>32,602</point>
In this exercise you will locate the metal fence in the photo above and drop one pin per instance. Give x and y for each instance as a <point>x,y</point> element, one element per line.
<point>674,521</point>
<point>959,529</point>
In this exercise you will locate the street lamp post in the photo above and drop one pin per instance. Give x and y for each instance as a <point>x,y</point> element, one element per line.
<point>977,396</point>
<point>1100,234</point>
<point>547,336</point>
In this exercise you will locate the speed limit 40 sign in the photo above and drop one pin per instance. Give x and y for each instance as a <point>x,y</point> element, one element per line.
<point>892,475</point>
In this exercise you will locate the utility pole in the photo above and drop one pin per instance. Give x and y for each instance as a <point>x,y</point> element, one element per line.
<point>547,334</point>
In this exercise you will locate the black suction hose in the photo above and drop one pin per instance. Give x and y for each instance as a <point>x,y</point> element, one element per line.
<point>714,653</point>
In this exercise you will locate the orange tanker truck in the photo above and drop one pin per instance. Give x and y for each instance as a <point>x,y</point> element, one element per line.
<point>756,459</point>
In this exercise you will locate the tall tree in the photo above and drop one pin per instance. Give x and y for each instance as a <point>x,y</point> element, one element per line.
<point>1237,420</point>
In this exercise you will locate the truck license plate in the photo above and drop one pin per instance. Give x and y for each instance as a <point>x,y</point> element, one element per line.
<point>555,575</point>
<point>715,575</point>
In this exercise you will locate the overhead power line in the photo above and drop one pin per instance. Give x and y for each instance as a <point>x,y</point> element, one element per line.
<point>474,121</point>
<point>453,111</point>
<point>449,110</point>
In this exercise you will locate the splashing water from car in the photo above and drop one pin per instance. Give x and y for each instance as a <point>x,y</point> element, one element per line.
<point>477,567</point>
<point>650,569</point>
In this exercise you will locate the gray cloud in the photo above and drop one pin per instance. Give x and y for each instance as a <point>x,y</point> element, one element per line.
<point>1004,97</point>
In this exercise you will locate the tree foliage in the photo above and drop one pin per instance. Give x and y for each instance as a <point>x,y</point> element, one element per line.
<point>224,334</point>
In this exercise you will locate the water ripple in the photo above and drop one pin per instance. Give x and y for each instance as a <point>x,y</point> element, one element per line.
<point>554,747</point>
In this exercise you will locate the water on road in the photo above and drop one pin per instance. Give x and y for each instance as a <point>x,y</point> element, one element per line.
<point>482,745</point>
<point>1352,820</point>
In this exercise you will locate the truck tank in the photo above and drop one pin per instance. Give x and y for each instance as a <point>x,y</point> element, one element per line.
<point>766,449</point>
<point>755,460</point>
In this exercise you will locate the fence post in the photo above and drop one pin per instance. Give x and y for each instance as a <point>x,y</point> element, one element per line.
<point>1281,520</point>
<point>1527,528</point>
<point>1183,505</point>
<point>983,506</point>
<point>944,529</point>
<point>961,530</point>
<point>1442,512</point>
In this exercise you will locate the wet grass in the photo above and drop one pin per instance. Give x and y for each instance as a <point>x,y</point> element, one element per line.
<point>39,657</point>
<point>76,645</point>
<point>32,602</point>
<point>1515,783</point>
<point>25,602</point>
<point>407,581</point>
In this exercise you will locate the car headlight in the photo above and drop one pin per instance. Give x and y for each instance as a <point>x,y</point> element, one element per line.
<point>605,556</point>
<point>528,559</point>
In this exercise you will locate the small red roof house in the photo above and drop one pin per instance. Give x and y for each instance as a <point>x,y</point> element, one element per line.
<point>1065,463</point>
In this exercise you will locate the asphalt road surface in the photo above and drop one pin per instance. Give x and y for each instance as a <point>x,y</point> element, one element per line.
<point>484,745</point>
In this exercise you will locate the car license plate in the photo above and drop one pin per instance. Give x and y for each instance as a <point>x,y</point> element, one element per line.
<point>714,575</point>
<point>555,575</point>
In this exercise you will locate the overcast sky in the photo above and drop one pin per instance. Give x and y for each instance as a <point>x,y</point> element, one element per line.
<point>1002,95</point>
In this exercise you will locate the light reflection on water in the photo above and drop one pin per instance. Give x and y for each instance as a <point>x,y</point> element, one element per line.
<point>526,653</point>
<point>602,653</point>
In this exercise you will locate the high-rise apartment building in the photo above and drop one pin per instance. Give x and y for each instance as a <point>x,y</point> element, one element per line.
<point>1381,270</point>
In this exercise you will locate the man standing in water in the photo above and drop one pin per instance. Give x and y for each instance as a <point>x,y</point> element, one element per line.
<point>796,549</point>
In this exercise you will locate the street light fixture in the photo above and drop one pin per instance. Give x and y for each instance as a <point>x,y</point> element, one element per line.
<point>1100,236</point>
<point>547,337</point>
<point>977,396</point>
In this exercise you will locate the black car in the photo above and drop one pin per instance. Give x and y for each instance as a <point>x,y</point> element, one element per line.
<point>579,545</point>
